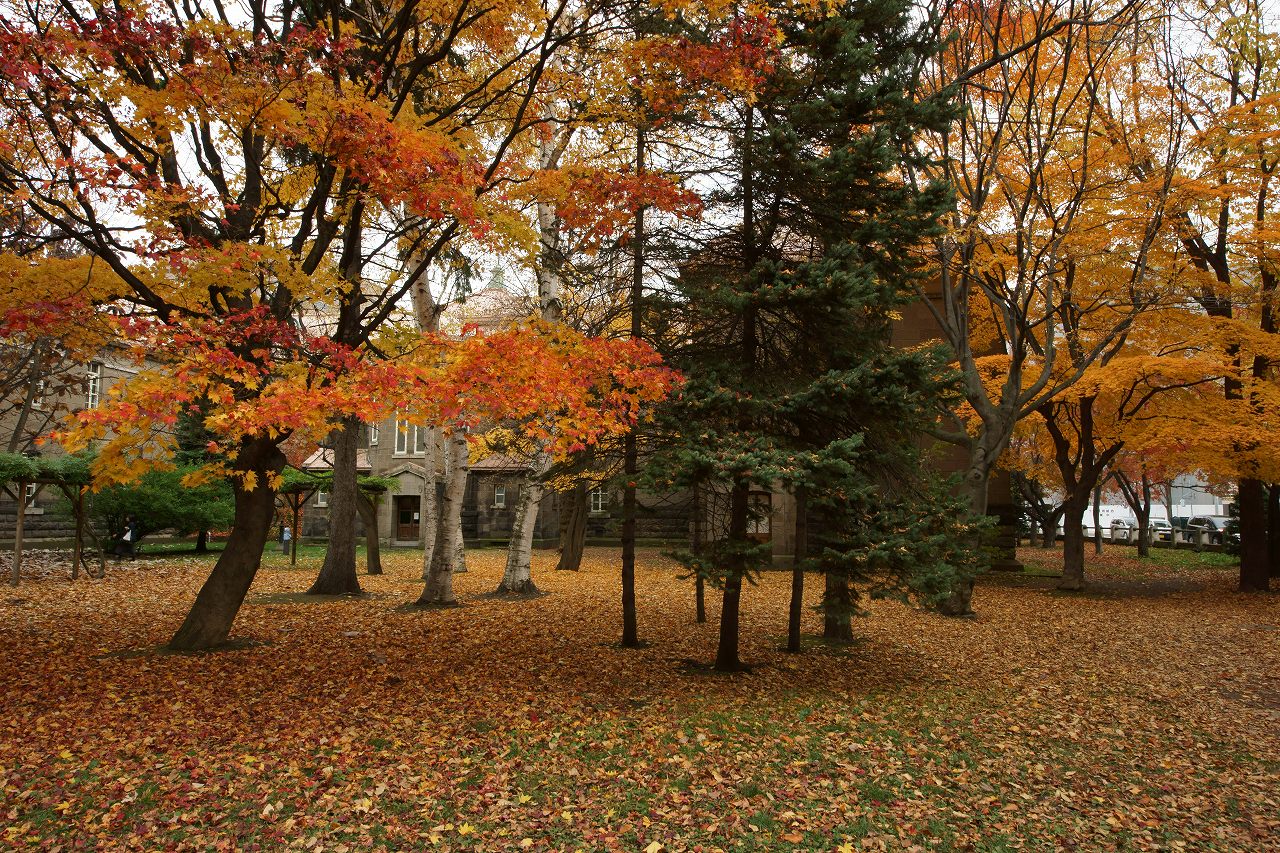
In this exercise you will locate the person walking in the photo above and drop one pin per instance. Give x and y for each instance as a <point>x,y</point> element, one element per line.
<point>127,546</point>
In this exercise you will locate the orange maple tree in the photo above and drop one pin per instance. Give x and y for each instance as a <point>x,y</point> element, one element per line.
<point>250,182</point>
<point>1042,206</point>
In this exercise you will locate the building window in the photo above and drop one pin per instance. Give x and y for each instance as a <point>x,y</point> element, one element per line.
<point>500,497</point>
<point>322,498</point>
<point>402,436</point>
<point>373,435</point>
<point>409,438</point>
<point>32,488</point>
<point>598,500</point>
<point>95,385</point>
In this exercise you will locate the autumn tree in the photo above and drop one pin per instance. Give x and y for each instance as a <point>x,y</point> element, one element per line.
<point>444,469</point>
<point>609,177</point>
<point>238,176</point>
<point>1209,69</point>
<point>1139,483</point>
<point>1030,176</point>
<point>1028,459</point>
<point>51,338</point>
<point>1226,78</point>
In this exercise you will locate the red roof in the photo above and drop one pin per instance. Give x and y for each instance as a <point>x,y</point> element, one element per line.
<point>499,462</point>
<point>322,460</point>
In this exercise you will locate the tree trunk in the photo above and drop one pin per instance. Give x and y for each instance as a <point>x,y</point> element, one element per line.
<point>727,659</point>
<point>797,572</point>
<point>77,549</point>
<point>19,524</point>
<point>518,577</point>
<point>460,546</point>
<point>338,574</point>
<point>34,374</point>
<point>960,600</point>
<point>1097,520</point>
<point>699,582</point>
<point>202,542</point>
<point>457,464</point>
<point>86,529</point>
<point>439,587</point>
<point>1049,533</point>
<point>219,600</point>
<point>1144,530</point>
<point>369,515</point>
<point>837,608</point>
<point>1255,573</point>
<point>1082,467</point>
<point>295,501</point>
<point>1073,544</point>
<point>630,467</point>
<point>427,315</point>
<point>1044,515</point>
<point>1273,529</point>
<point>630,449</point>
<point>727,649</point>
<point>429,525</point>
<point>573,529</point>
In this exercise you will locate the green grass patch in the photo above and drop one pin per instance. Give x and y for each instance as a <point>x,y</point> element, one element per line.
<point>1184,558</point>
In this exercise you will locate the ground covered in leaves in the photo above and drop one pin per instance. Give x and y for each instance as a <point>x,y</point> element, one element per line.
<point>1143,715</point>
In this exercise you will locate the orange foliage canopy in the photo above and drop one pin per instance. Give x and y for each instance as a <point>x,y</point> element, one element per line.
<point>251,375</point>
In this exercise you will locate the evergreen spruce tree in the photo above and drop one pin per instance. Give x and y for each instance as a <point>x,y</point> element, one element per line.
<point>784,318</point>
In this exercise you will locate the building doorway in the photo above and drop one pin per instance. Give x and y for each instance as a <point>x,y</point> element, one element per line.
<point>408,517</point>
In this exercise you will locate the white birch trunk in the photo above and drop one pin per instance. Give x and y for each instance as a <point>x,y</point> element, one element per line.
<point>427,314</point>
<point>518,577</point>
<point>439,588</point>
<point>16,570</point>
<point>550,259</point>
<point>460,553</point>
<point>459,465</point>
<point>428,524</point>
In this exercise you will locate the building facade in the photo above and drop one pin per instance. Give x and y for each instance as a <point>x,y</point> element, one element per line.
<point>58,393</point>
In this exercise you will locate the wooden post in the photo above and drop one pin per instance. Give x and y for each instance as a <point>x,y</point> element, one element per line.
<point>295,500</point>
<point>77,550</point>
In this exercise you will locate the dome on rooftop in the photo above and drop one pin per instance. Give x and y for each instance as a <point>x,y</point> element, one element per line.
<point>492,307</point>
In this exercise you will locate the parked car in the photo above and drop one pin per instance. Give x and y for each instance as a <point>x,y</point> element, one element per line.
<point>1158,529</point>
<point>1214,526</point>
<point>1124,529</point>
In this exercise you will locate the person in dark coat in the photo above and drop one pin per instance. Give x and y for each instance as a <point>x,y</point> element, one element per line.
<point>128,544</point>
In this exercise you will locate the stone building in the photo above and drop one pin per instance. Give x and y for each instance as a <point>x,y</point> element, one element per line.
<point>64,389</point>
<point>396,449</point>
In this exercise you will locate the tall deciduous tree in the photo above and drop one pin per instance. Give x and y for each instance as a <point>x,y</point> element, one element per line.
<point>1029,175</point>
<point>246,178</point>
<point>1228,221</point>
